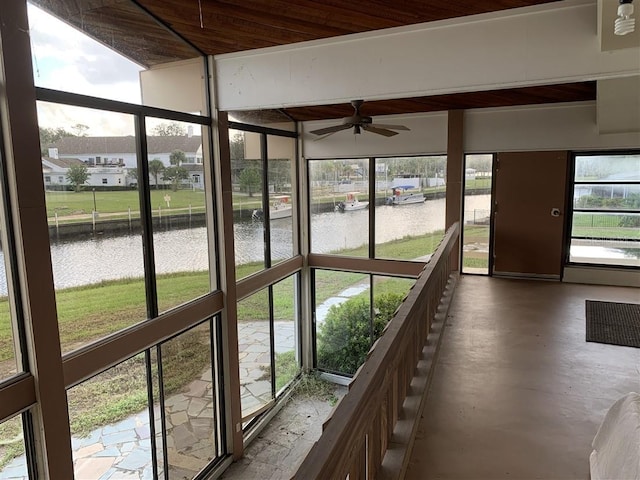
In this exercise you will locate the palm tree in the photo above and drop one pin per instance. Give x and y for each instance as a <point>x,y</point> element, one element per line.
<point>156,167</point>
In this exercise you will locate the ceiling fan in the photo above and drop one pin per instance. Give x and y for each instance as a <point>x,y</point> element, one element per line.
<point>360,122</point>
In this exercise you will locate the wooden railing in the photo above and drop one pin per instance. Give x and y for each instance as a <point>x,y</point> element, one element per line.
<point>361,429</point>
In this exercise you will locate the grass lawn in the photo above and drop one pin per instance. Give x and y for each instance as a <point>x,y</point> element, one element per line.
<point>606,232</point>
<point>72,203</point>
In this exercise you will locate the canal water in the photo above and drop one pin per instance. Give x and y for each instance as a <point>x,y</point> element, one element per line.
<point>92,260</point>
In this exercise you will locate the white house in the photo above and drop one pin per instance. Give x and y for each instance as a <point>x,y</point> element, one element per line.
<point>122,150</point>
<point>109,158</point>
<point>54,171</point>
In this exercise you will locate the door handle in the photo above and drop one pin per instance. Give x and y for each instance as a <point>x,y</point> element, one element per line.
<point>555,212</point>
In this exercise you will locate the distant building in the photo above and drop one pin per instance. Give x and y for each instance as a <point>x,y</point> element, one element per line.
<point>54,172</point>
<point>110,158</point>
<point>122,151</point>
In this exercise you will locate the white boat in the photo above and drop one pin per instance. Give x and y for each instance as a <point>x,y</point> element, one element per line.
<point>280,208</point>
<point>401,197</point>
<point>351,203</point>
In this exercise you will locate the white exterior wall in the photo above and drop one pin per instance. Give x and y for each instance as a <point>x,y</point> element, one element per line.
<point>115,177</point>
<point>551,43</point>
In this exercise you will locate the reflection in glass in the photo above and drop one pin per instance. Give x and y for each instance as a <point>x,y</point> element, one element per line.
<point>13,461</point>
<point>254,353</point>
<point>96,70</point>
<point>606,196</point>
<point>344,327</point>
<point>280,155</point>
<point>189,402</point>
<point>607,168</point>
<point>248,217</point>
<point>388,294</point>
<point>111,437</point>
<point>410,206</point>
<point>176,158</point>
<point>339,197</point>
<point>114,60</point>
<point>266,118</point>
<point>605,252</point>
<point>9,353</point>
<point>477,213</point>
<point>285,331</point>
<point>93,211</point>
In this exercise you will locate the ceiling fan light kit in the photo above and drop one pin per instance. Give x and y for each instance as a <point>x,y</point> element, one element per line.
<point>360,122</point>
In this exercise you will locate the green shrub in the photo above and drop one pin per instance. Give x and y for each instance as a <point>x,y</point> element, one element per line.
<point>345,337</point>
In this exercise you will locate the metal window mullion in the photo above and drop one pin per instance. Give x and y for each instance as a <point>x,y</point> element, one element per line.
<point>372,208</point>
<point>146,218</point>
<point>86,101</point>
<point>163,416</point>
<point>150,401</point>
<point>492,212</point>
<point>218,378</point>
<point>372,313</point>
<point>600,182</point>
<point>602,210</point>
<point>266,217</point>
<point>272,342</point>
<point>314,350</point>
<point>258,129</point>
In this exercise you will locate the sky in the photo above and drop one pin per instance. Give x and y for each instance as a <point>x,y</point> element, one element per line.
<point>66,59</point>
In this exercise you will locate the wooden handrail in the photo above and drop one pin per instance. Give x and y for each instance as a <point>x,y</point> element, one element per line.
<point>356,438</point>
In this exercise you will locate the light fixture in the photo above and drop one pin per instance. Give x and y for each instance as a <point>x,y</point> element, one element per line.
<point>625,23</point>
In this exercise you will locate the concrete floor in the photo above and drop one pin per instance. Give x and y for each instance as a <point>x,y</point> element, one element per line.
<point>517,392</point>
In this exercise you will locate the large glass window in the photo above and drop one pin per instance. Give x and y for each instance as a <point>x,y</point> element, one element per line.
<point>339,198</point>
<point>410,206</point>
<point>280,162</point>
<point>477,213</point>
<point>190,402</point>
<point>248,209</point>
<point>351,312</point>
<point>285,331</point>
<point>268,344</point>
<point>178,201</point>
<point>254,353</point>
<point>13,462</point>
<point>343,325</point>
<point>111,438</point>
<point>263,177</point>
<point>605,223</point>
<point>95,232</point>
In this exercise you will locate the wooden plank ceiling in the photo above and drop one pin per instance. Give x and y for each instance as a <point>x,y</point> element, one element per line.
<point>223,26</point>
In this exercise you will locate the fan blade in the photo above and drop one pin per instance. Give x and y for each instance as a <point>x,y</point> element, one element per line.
<point>391,127</point>
<point>379,131</point>
<point>335,128</point>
